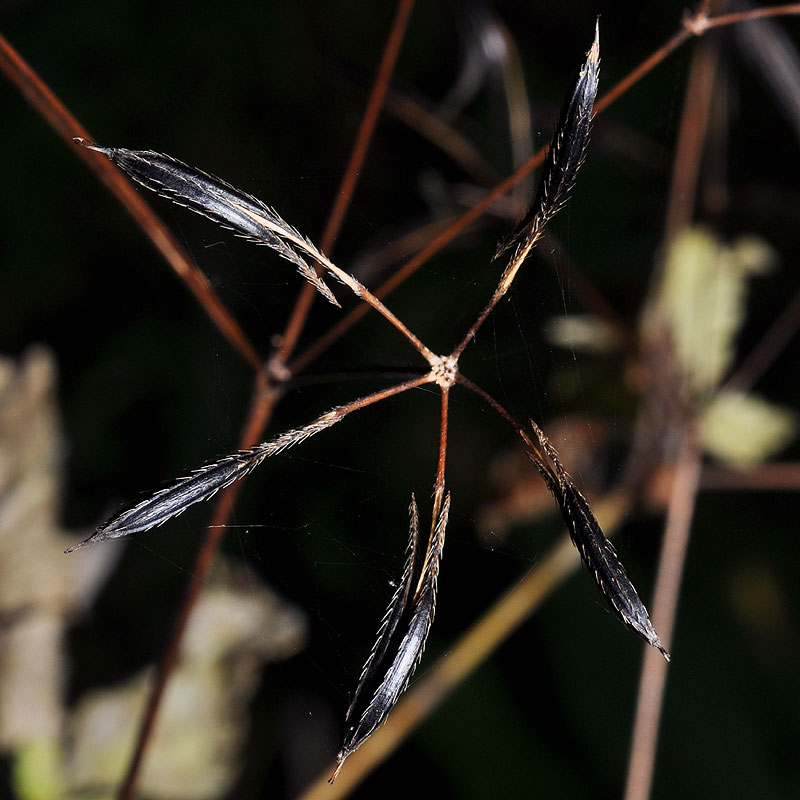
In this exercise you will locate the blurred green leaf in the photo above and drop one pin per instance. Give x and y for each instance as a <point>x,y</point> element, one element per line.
<point>704,296</point>
<point>36,770</point>
<point>743,429</point>
<point>585,332</point>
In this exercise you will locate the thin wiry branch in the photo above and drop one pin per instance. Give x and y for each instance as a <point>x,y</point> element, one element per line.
<point>206,481</point>
<point>683,497</point>
<point>350,178</point>
<point>409,651</point>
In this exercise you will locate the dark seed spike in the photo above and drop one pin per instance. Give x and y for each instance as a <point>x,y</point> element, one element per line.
<point>202,484</point>
<point>174,499</point>
<point>596,550</point>
<point>369,678</point>
<point>218,201</point>
<point>566,152</point>
<point>409,652</point>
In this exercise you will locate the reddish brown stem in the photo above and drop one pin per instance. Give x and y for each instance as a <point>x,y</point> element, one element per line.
<point>780,477</point>
<point>769,347</point>
<point>492,403</point>
<point>438,491</point>
<point>691,141</point>
<point>336,217</point>
<point>746,16</point>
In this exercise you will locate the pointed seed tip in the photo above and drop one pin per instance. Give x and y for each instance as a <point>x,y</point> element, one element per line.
<point>594,51</point>
<point>656,642</point>
<point>90,145</point>
<point>340,759</point>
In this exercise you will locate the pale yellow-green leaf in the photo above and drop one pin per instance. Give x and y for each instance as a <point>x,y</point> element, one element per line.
<point>36,770</point>
<point>202,724</point>
<point>584,332</point>
<point>743,429</point>
<point>703,298</point>
<point>753,256</point>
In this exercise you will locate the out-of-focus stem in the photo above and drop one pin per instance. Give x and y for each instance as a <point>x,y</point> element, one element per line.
<point>665,601</point>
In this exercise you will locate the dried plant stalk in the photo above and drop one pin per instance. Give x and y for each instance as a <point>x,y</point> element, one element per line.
<point>405,626</point>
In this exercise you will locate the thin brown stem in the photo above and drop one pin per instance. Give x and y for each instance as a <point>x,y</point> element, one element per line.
<point>790,9</point>
<point>66,126</point>
<point>506,280</point>
<point>769,347</point>
<point>691,140</point>
<point>642,69</point>
<point>665,601</point>
<point>371,300</point>
<point>491,402</point>
<point>773,477</point>
<point>358,155</point>
<point>498,409</point>
<point>652,683</point>
<point>383,394</point>
<point>438,491</point>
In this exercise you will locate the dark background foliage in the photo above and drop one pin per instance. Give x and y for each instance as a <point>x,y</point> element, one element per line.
<point>269,96</point>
